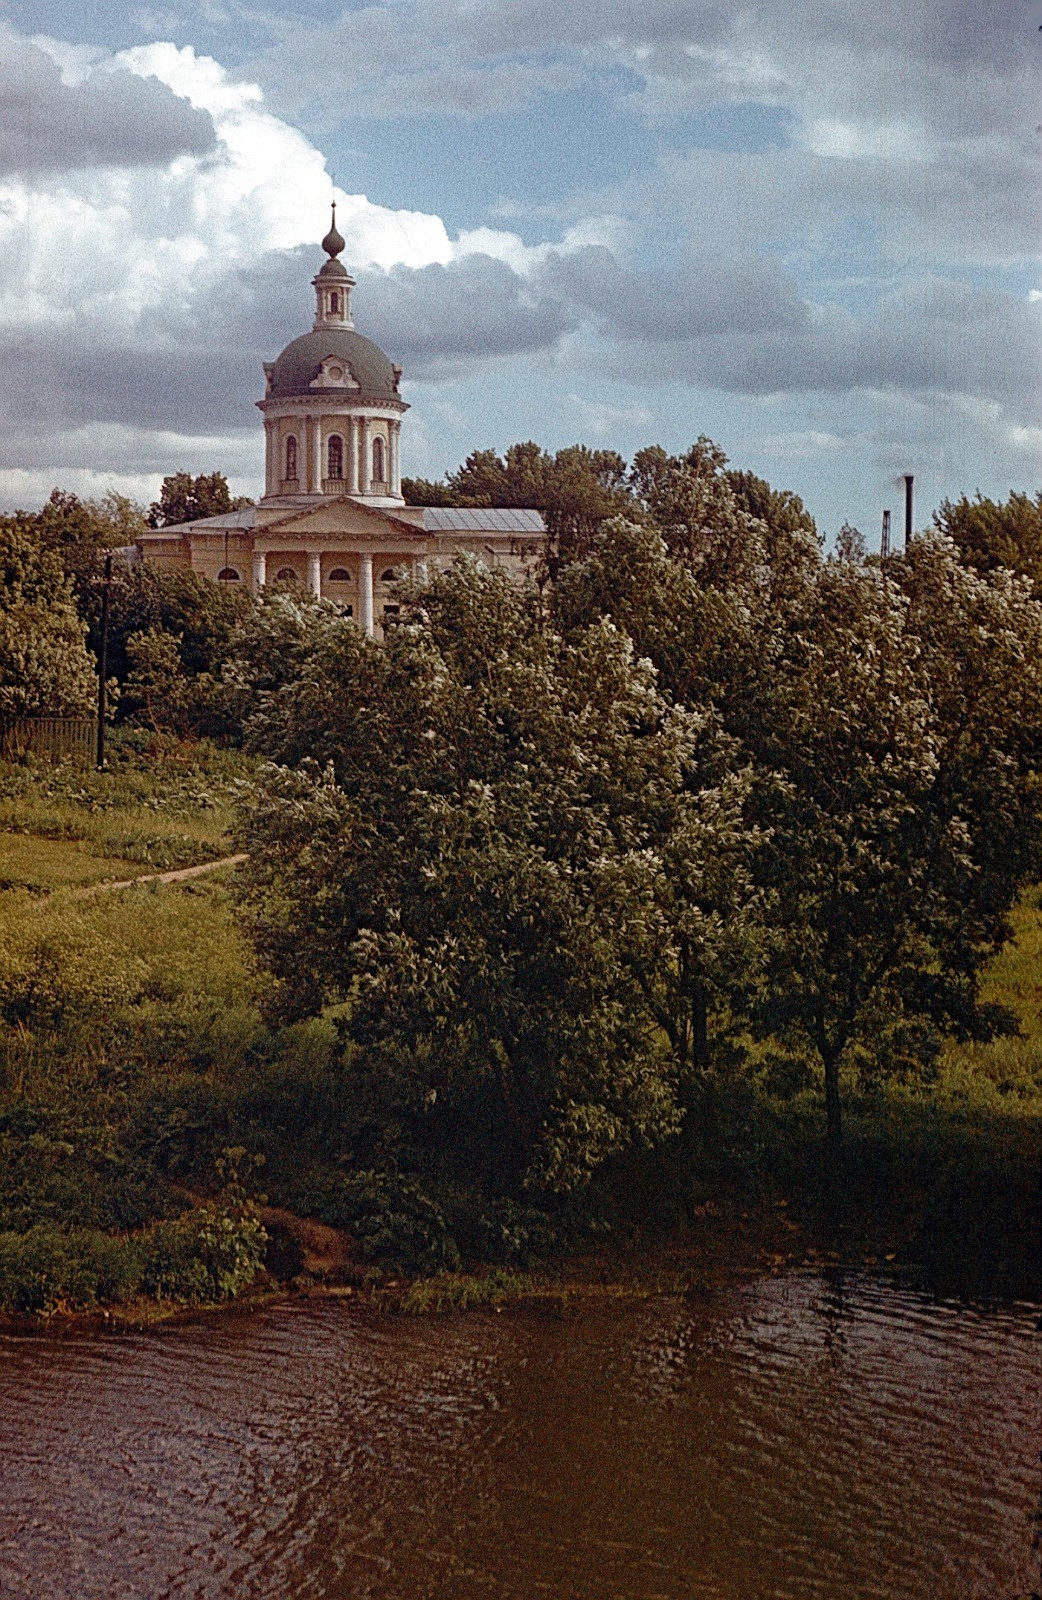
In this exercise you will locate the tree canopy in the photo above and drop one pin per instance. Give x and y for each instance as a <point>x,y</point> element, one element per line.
<point>183,498</point>
<point>990,534</point>
<point>523,868</point>
<point>45,669</point>
<point>576,489</point>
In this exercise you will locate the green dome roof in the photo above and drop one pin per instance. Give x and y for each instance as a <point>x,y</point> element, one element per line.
<point>301,361</point>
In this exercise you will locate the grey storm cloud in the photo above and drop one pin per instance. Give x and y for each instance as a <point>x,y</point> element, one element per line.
<point>706,295</point>
<point>928,337</point>
<point>112,118</point>
<point>951,60</point>
<point>475,306</point>
<point>740,327</point>
<point>55,380</point>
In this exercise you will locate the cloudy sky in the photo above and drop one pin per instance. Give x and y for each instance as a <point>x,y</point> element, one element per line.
<point>808,230</point>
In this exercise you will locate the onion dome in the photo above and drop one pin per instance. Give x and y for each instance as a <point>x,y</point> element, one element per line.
<point>333,242</point>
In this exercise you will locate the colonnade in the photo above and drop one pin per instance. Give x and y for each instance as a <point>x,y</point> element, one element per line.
<point>313,560</point>
<point>357,433</point>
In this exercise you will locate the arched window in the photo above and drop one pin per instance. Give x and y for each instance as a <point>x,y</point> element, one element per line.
<point>389,575</point>
<point>378,460</point>
<point>227,575</point>
<point>291,456</point>
<point>339,575</point>
<point>334,306</point>
<point>335,453</point>
<point>287,575</point>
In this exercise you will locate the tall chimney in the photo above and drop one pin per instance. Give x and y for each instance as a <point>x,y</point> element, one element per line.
<point>909,480</point>
<point>884,544</point>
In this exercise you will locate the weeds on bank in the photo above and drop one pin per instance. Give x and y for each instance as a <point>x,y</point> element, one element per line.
<point>461,1291</point>
<point>206,1256</point>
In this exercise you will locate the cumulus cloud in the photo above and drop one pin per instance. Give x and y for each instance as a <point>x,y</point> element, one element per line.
<point>109,119</point>
<point>136,305</point>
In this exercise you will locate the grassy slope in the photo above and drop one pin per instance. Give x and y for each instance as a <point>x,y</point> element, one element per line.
<point>169,806</point>
<point>1007,1074</point>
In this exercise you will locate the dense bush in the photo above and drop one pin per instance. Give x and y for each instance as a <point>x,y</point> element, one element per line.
<point>391,1220</point>
<point>208,1255</point>
<point>48,1269</point>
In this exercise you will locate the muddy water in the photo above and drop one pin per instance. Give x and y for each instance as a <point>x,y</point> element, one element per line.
<point>791,1437</point>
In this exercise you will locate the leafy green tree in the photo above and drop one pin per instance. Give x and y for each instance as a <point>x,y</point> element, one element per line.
<point>708,524</point>
<point>45,669</point>
<point>850,544</point>
<point>890,722</point>
<point>990,533</point>
<point>904,724</point>
<point>157,687</point>
<point>203,617</point>
<point>781,511</point>
<point>81,533</point>
<point>478,834</point>
<point>183,498</point>
<point>576,490</point>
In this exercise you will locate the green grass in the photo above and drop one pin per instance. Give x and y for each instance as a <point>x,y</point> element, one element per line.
<point>44,864</point>
<point>464,1291</point>
<point>159,805</point>
<point>1006,1075</point>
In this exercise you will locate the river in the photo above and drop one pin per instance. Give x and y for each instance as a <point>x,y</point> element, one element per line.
<point>785,1438</point>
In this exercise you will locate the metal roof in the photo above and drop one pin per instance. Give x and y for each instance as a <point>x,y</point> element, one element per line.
<point>245,517</point>
<point>300,363</point>
<point>481,519</point>
<point>436,519</point>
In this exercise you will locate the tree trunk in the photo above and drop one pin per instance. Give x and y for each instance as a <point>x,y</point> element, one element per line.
<point>699,1026</point>
<point>833,1143</point>
<point>833,1107</point>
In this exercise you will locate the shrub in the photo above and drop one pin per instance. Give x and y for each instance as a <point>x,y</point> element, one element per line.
<point>209,1254</point>
<point>46,1270</point>
<point>393,1222</point>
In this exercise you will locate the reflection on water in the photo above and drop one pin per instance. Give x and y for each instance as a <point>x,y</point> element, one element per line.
<point>794,1437</point>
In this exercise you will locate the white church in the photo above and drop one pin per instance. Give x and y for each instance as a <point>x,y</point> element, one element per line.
<point>332,517</point>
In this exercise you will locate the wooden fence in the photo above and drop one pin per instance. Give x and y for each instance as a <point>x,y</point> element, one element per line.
<point>49,738</point>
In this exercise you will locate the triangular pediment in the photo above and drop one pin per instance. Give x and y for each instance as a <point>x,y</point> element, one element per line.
<point>343,517</point>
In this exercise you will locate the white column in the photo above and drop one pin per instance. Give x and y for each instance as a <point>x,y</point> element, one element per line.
<point>367,456</point>
<point>365,593</point>
<point>352,455</point>
<point>392,457</point>
<point>314,572</point>
<point>316,454</point>
<point>268,465</point>
<point>259,574</point>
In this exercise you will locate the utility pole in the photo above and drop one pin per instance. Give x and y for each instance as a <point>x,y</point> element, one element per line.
<point>103,657</point>
<point>909,480</point>
<point>884,543</point>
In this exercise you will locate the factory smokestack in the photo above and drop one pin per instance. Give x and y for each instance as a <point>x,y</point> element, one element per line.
<point>909,480</point>
<point>884,543</point>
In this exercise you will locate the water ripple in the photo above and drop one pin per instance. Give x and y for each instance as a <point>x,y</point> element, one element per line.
<point>805,1436</point>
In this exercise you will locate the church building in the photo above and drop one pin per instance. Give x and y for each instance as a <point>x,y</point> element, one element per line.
<point>332,518</point>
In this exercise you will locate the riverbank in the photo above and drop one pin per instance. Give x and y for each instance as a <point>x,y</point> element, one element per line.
<point>134,1056</point>
<point>724,1247</point>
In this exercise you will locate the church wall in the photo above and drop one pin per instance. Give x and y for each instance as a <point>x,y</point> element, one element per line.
<point>209,552</point>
